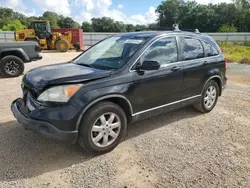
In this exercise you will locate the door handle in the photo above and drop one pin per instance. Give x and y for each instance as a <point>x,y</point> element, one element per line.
<point>175,68</point>
<point>205,63</point>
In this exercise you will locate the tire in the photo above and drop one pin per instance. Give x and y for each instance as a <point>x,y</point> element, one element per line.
<point>209,97</point>
<point>93,117</point>
<point>11,66</point>
<point>62,45</point>
<point>77,46</point>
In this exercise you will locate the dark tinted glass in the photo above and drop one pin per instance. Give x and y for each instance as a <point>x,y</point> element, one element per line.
<point>111,53</point>
<point>209,49</point>
<point>191,48</point>
<point>164,51</point>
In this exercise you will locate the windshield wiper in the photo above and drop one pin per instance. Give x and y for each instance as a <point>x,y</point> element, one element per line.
<point>86,65</point>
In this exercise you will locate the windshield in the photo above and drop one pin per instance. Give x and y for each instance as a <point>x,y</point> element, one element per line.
<point>111,53</point>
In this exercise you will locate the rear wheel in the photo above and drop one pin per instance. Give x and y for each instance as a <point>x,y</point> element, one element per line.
<point>11,66</point>
<point>102,127</point>
<point>62,45</point>
<point>209,97</point>
<point>77,46</point>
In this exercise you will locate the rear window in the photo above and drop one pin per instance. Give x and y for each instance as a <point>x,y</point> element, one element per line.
<point>191,48</point>
<point>209,49</point>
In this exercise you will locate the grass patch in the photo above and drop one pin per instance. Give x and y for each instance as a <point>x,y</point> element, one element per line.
<point>235,52</point>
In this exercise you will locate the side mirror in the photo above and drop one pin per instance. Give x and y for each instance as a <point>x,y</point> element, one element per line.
<point>149,65</point>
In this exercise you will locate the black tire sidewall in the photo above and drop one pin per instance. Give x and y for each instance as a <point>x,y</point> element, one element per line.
<point>5,60</point>
<point>77,46</point>
<point>65,42</point>
<point>210,83</point>
<point>88,120</point>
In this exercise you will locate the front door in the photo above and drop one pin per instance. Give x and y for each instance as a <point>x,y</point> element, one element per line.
<point>158,88</point>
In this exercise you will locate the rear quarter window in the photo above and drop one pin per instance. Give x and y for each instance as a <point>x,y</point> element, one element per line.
<point>209,49</point>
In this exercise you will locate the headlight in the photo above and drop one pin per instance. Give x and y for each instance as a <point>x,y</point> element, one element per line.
<point>59,93</point>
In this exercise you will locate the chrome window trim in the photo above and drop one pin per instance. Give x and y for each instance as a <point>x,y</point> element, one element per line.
<point>176,37</point>
<point>203,58</point>
<point>165,105</point>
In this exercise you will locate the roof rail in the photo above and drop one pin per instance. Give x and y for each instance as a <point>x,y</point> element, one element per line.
<point>176,27</point>
<point>196,31</point>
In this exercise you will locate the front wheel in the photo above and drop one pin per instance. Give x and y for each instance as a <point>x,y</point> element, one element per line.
<point>11,66</point>
<point>209,97</point>
<point>102,127</point>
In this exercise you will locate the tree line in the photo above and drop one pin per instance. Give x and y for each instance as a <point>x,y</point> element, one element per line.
<point>223,17</point>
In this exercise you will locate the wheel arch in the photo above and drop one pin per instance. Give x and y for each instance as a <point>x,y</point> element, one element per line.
<point>120,100</point>
<point>14,52</point>
<point>217,79</point>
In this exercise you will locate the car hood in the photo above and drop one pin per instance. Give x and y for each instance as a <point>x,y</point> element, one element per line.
<point>41,77</point>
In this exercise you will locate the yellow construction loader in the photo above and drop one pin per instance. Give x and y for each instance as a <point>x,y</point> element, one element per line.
<point>42,34</point>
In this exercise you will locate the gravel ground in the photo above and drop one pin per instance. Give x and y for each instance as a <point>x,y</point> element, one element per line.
<point>180,149</point>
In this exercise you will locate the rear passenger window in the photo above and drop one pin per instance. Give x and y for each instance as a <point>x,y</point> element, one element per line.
<point>164,51</point>
<point>209,49</point>
<point>191,48</point>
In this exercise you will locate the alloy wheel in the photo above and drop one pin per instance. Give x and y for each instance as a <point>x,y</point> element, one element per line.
<point>12,67</point>
<point>210,97</point>
<point>106,129</point>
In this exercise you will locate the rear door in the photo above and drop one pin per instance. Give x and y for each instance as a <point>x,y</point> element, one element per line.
<point>154,89</point>
<point>193,62</point>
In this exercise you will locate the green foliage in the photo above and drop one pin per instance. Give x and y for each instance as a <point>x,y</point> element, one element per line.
<point>13,26</point>
<point>235,52</point>
<point>169,11</point>
<point>130,27</point>
<point>52,17</point>
<point>103,24</point>
<point>207,18</point>
<point>227,28</point>
<point>153,26</point>
<point>87,27</point>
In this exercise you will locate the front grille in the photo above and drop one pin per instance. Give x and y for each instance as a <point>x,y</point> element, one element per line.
<point>31,102</point>
<point>33,93</point>
<point>30,96</point>
<point>27,90</point>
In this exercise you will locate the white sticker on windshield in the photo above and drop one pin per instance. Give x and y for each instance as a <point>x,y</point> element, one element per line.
<point>130,41</point>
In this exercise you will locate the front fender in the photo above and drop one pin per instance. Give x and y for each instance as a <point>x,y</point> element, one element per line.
<point>21,52</point>
<point>94,96</point>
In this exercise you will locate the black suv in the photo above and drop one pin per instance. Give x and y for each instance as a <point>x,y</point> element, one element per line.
<point>122,79</point>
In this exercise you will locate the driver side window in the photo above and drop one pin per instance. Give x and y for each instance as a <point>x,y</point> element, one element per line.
<point>164,51</point>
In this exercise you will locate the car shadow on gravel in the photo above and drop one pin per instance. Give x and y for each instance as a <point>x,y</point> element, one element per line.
<point>25,154</point>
